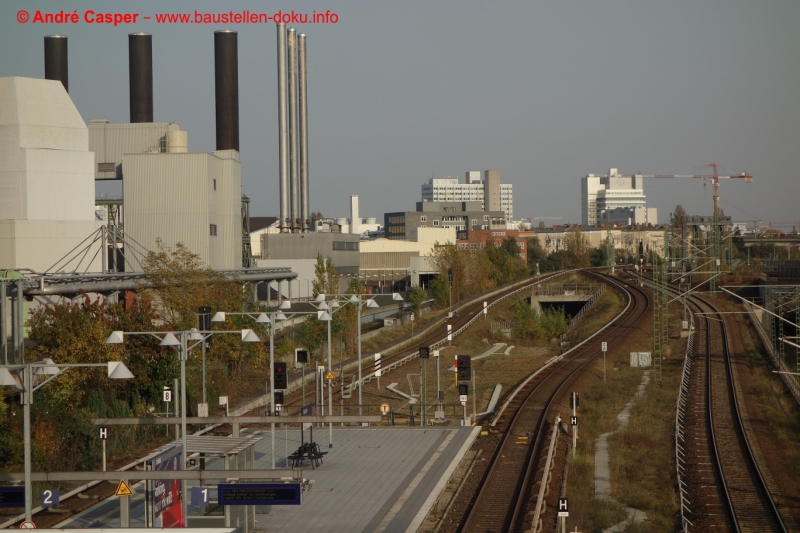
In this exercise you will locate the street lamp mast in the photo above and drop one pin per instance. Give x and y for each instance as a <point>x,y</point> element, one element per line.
<point>116,370</point>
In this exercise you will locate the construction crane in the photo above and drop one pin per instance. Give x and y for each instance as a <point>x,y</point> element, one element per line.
<point>715,231</point>
<point>714,178</point>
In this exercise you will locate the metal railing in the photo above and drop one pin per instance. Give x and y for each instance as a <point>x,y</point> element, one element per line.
<point>680,417</point>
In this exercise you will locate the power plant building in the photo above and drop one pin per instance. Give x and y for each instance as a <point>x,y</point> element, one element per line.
<point>193,198</point>
<point>46,175</point>
<point>475,189</point>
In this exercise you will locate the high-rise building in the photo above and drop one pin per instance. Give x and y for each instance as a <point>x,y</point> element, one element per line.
<point>475,189</point>
<point>607,193</point>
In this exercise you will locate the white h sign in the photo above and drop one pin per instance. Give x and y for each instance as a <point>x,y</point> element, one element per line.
<point>104,433</point>
<point>562,508</point>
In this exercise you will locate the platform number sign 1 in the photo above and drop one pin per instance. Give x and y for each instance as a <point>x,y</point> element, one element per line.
<point>50,498</point>
<point>199,496</point>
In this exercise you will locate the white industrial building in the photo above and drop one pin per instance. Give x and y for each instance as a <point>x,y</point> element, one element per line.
<point>475,189</point>
<point>606,195</point>
<point>46,175</point>
<point>170,195</point>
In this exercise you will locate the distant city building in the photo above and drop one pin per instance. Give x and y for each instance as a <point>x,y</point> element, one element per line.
<point>476,239</point>
<point>456,215</point>
<point>612,192</point>
<point>475,189</point>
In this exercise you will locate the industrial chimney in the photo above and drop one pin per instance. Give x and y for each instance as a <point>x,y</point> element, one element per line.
<point>294,156</point>
<point>302,107</point>
<point>226,85</point>
<point>283,145</point>
<point>55,59</point>
<point>140,76</point>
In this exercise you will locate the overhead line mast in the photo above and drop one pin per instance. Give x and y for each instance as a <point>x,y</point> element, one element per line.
<point>716,232</point>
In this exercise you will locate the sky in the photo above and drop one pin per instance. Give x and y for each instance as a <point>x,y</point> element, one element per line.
<point>544,92</point>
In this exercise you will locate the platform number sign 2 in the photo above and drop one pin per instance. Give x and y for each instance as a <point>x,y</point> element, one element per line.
<point>50,498</point>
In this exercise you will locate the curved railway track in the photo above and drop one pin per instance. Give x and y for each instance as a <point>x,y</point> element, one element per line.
<point>503,502</point>
<point>435,336</point>
<point>724,484</point>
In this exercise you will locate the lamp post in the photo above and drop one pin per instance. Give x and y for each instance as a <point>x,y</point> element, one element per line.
<point>270,320</point>
<point>116,370</point>
<point>169,339</point>
<point>326,310</point>
<point>356,299</point>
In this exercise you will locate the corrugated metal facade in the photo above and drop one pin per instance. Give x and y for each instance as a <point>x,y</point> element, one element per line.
<point>110,141</point>
<point>171,198</point>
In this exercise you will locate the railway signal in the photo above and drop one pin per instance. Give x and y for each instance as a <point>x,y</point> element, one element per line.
<point>280,378</point>
<point>463,368</point>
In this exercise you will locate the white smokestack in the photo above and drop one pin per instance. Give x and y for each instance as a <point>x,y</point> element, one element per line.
<point>354,220</point>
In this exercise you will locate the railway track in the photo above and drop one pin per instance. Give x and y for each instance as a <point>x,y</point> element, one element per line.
<point>724,486</point>
<point>503,502</point>
<point>434,337</point>
<point>437,335</point>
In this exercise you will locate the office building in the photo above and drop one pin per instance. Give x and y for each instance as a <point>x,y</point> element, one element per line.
<point>475,189</point>
<point>610,192</point>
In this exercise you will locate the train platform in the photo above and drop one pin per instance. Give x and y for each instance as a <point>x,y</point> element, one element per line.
<point>373,479</point>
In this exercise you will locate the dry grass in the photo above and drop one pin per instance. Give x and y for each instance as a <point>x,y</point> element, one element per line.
<point>641,456</point>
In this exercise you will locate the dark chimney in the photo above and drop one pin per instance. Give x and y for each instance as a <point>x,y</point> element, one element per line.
<point>140,76</point>
<point>226,83</point>
<point>55,59</point>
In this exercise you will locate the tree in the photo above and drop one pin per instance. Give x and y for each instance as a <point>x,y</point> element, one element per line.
<point>577,249</point>
<point>450,262</point>
<point>181,284</point>
<point>678,216</point>
<point>417,297</point>
<point>349,315</point>
<point>326,280</point>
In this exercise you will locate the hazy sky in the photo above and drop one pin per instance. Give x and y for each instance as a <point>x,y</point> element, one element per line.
<point>545,92</point>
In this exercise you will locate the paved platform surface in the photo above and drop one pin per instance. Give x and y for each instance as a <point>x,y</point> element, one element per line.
<point>374,479</point>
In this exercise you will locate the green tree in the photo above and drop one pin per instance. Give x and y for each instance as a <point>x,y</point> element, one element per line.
<point>326,280</point>
<point>417,297</point>
<point>181,284</point>
<point>349,316</point>
<point>577,249</point>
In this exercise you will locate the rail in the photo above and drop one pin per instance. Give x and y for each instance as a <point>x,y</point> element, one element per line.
<point>410,357</point>
<point>680,435</point>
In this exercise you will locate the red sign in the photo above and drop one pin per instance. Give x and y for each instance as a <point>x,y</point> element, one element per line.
<point>167,498</point>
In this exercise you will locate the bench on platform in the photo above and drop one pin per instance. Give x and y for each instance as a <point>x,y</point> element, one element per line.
<point>310,451</point>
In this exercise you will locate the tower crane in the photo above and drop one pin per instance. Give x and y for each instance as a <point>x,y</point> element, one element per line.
<point>714,179</point>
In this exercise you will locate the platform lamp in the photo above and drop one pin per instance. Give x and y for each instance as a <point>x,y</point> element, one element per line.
<point>24,383</point>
